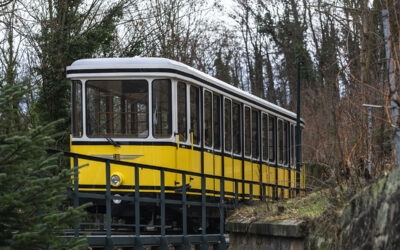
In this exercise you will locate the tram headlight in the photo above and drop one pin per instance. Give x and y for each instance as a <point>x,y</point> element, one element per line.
<point>116,179</point>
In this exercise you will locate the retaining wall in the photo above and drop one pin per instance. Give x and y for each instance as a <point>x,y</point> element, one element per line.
<point>371,220</point>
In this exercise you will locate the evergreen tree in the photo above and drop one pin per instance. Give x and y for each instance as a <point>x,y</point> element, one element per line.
<point>32,188</point>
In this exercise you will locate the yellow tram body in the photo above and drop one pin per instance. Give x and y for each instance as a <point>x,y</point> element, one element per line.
<point>178,158</point>
<point>169,151</point>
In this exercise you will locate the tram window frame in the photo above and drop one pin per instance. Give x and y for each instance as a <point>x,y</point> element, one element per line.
<point>279,143</point>
<point>286,154</point>
<point>196,138</point>
<point>290,162</point>
<point>255,134</point>
<point>272,138</point>
<point>77,109</point>
<point>264,137</point>
<point>237,129</point>
<point>228,150</point>
<point>293,149</point>
<point>247,133</point>
<point>182,112</point>
<point>98,96</point>
<point>217,121</point>
<point>169,118</point>
<point>205,114</point>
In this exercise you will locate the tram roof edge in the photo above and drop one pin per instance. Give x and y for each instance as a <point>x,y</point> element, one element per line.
<point>161,63</point>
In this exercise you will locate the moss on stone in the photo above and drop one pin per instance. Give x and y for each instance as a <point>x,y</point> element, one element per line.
<point>310,206</point>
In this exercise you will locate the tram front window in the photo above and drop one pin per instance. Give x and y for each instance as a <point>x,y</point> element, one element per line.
<point>117,108</point>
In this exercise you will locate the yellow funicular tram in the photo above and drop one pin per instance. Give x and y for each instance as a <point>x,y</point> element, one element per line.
<point>160,112</point>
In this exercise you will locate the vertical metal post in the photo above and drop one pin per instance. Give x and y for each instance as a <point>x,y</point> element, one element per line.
<point>204,244</point>
<point>251,192</point>
<point>263,192</point>
<point>236,194</point>
<point>164,243</point>
<point>298,134</point>
<point>222,244</point>
<point>260,150</point>
<point>275,190</point>
<point>289,157</point>
<point>203,179</point>
<point>138,242</point>
<point>369,140</point>
<point>76,194</point>
<point>184,214</point>
<point>108,208</point>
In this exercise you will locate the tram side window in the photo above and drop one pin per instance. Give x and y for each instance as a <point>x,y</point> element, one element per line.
<point>228,125</point>
<point>292,146</point>
<point>264,137</point>
<point>271,138</point>
<point>237,147</point>
<point>77,121</point>
<point>194,114</point>
<point>217,121</point>
<point>280,142</point>
<point>117,108</point>
<point>247,131</point>
<point>208,119</point>
<point>161,98</point>
<point>182,110</point>
<point>285,143</point>
<point>254,133</point>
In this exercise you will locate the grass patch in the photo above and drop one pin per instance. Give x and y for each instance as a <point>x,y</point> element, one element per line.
<point>311,206</point>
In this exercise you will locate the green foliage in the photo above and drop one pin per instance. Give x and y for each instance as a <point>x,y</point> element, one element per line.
<point>311,206</point>
<point>33,210</point>
<point>67,35</point>
<point>9,94</point>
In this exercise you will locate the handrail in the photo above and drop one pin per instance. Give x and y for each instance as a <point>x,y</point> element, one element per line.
<point>138,240</point>
<point>173,170</point>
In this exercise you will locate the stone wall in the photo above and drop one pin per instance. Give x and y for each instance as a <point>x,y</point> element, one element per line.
<point>371,220</point>
<point>271,235</point>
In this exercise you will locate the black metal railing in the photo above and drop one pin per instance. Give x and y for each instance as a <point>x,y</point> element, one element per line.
<point>183,241</point>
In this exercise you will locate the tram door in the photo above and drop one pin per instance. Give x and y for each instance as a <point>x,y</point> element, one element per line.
<point>183,149</point>
<point>189,137</point>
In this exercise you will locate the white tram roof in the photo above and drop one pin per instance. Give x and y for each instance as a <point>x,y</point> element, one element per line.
<point>117,67</point>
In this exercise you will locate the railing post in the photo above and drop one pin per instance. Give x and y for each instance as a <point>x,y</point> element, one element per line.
<point>163,243</point>
<point>222,244</point>
<point>76,195</point>
<point>138,242</point>
<point>204,244</point>
<point>251,193</point>
<point>290,183</point>
<point>273,192</point>
<point>262,194</point>
<point>186,245</point>
<point>109,243</point>
<point>236,194</point>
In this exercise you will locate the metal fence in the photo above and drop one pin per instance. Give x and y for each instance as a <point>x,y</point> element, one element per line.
<point>136,239</point>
